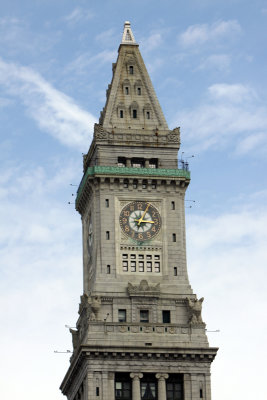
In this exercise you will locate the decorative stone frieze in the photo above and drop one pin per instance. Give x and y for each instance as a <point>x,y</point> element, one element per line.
<point>143,289</point>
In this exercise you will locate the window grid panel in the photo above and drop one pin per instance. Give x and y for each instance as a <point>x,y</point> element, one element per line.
<point>150,263</point>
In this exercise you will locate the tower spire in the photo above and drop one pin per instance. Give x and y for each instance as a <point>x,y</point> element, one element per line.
<point>127,36</point>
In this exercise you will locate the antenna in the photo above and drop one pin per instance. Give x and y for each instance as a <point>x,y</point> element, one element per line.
<point>62,352</point>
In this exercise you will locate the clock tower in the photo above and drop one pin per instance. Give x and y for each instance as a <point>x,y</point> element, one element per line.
<point>140,333</point>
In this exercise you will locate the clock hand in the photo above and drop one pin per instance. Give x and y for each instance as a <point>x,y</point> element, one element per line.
<point>145,220</point>
<point>141,219</point>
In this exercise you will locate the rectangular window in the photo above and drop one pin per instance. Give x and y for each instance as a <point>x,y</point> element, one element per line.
<point>166,316</point>
<point>133,266</point>
<point>126,90</point>
<point>149,266</point>
<point>135,184</point>
<point>141,266</point>
<point>154,185</point>
<point>174,237</point>
<point>133,256</point>
<point>131,69</point>
<point>107,235</point>
<point>149,257</point>
<point>141,256</point>
<point>157,266</point>
<point>107,203</point>
<point>123,390</point>
<point>139,91</point>
<point>121,113</point>
<point>125,266</point>
<point>121,162</point>
<point>144,185</point>
<point>122,315</point>
<point>175,271</point>
<point>148,115</point>
<point>201,394</point>
<point>157,257</point>
<point>108,269</point>
<point>148,390</point>
<point>144,316</point>
<point>173,205</point>
<point>97,391</point>
<point>125,183</point>
<point>174,391</point>
<point>134,113</point>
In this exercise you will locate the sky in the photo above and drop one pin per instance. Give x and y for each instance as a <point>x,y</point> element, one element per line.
<point>207,61</point>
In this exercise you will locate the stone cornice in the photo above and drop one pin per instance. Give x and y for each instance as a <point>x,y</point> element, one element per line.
<point>182,355</point>
<point>108,171</point>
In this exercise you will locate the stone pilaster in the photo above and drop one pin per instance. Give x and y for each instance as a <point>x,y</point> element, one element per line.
<point>187,387</point>
<point>136,385</point>
<point>162,386</point>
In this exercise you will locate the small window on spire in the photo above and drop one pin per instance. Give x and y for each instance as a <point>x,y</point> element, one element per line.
<point>126,90</point>
<point>148,115</point>
<point>139,91</point>
<point>134,113</point>
<point>131,69</point>
<point>121,113</point>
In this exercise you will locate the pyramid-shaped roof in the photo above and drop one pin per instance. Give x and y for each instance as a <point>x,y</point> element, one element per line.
<point>131,98</point>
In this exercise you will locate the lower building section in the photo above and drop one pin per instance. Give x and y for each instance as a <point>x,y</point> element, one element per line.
<point>103,375</point>
<point>139,386</point>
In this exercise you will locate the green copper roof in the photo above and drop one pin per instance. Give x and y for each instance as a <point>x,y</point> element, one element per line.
<point>122,171</point>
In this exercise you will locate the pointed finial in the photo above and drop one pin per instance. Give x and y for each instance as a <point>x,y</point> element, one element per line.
<point>127,36</point>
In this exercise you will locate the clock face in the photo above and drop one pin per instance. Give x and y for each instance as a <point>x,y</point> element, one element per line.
<point>140,220</point>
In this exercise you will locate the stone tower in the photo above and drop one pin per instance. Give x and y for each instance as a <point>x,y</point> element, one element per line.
<point>139,334</point>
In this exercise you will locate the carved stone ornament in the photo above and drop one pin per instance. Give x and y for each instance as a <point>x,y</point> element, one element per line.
<point>174,135</point>
<point>99,133</point>
<point>84,302</point>
<point>143,289</point>
<point>195,308</point>
<point>75,337</point>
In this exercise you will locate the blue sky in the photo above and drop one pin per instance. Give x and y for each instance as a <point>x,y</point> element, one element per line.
<point>207,61</point>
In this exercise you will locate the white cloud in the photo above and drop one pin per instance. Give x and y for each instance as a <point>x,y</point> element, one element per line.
<point>227,265</point>
<point>16,37</point>
<point>106,37</point>
<point>257,141</point>
<point>77,15</point>
<point>220,62</point>
<point>40,274</point>
<point>151,42</point>
<point>225,117</point>
<point>86,62</point>
<point>54,112</point>
<point>200,34</point>
<point>236,93</point>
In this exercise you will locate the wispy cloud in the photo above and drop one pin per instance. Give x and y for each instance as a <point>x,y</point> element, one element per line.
<point>219,62</point>
<point>36,231</point>
<point>16,37</point>
<point>235,93</point>
<point>151,42</point>
<point>106,37</point>
<point>199,34</point>
<point>78,15</point>
<point>228,115</point>
<point>86,62</point>
<point>54,112</point>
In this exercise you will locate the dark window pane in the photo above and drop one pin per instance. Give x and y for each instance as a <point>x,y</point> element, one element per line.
<point>166,316</point>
